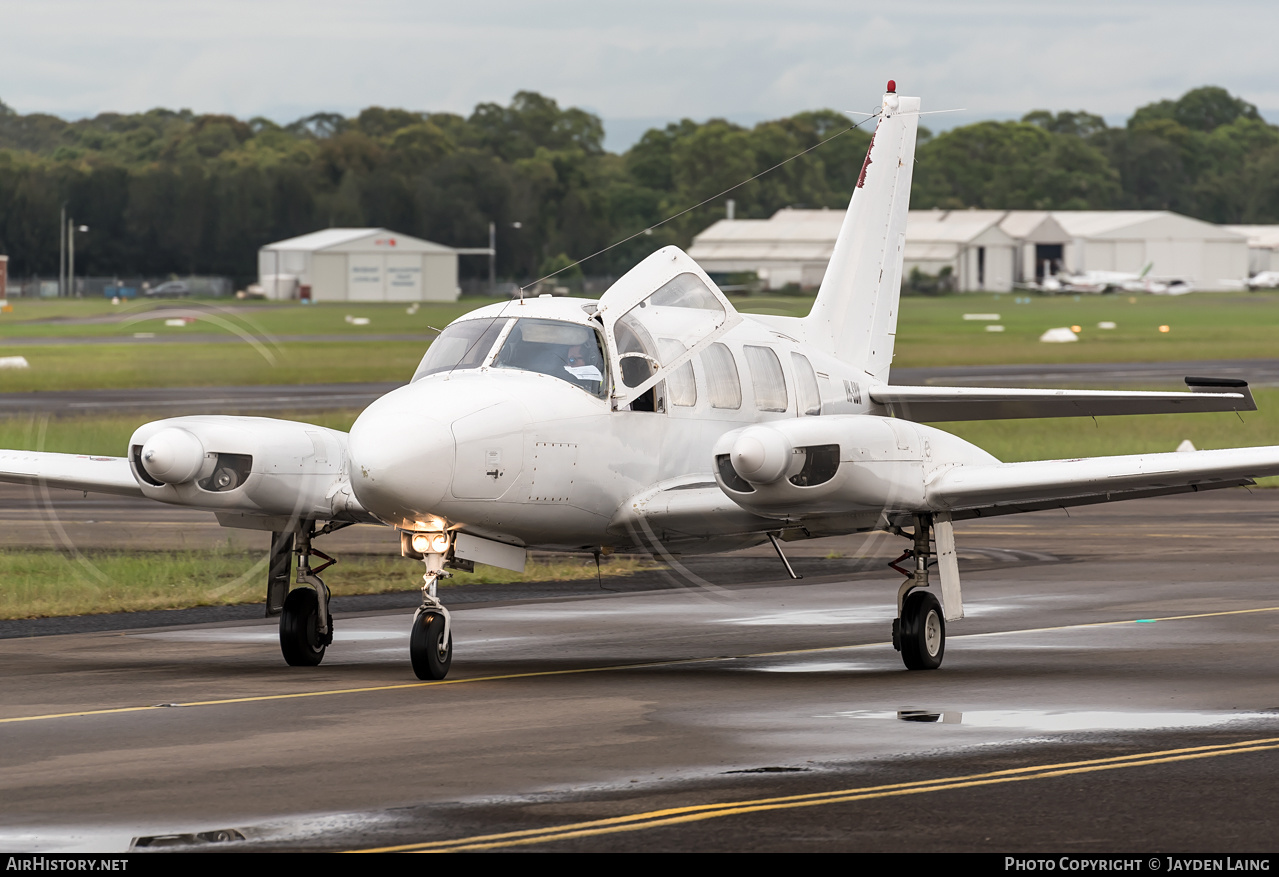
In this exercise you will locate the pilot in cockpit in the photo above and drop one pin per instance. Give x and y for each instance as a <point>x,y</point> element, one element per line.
<point>583,362</point>
<point>563,350</point>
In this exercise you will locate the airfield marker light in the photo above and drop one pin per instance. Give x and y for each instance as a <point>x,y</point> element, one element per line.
<point>1076,329</point>
<point>1165,328</point>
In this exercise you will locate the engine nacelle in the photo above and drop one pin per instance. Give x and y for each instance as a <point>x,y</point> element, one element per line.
<point>840,464</point>
<point>246,465</point>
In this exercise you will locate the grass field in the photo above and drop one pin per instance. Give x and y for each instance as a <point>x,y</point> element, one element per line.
<point>36,584</point>
<point>91,318</point>
<point>108,435</point>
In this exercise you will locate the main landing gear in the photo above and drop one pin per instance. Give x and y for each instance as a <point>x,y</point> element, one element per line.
<point>306,626</point>
<point>919,631</point>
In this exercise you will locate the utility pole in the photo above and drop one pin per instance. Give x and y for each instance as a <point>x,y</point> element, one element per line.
<point>62,249</point>
<point>492,258</point>
<point>70,258</point>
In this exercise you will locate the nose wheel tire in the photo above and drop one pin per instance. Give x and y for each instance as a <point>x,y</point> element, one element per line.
<point>300,638</point>
<point>922,631</point>
<point>431,653</point>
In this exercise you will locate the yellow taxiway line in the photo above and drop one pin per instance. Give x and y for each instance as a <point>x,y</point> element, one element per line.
<point>604,669</point>
<point>700,812</point>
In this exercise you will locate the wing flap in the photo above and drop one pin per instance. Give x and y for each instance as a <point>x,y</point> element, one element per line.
<point>70,471</point>
<point>1043,484</point>
<point>943,404</point>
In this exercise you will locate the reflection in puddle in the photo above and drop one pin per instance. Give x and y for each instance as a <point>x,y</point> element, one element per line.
<point>876,615</point>
<point>268,635</point>
<point>816,667</point>
<point>1054,720</point>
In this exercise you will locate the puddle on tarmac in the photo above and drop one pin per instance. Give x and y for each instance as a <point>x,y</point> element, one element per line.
<point>1054,720</point>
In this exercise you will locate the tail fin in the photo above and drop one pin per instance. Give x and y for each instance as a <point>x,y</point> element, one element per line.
<point>855,315</point>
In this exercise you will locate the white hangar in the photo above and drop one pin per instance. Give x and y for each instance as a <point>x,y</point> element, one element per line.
<point>1263,246</point>
<point>1207,256</point>
<point>358,264</point>
<point>794,246</point>
<point>988,250</point>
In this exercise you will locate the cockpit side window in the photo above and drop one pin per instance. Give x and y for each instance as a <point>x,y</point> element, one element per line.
<point>461,345</point>
<point>568,351</point>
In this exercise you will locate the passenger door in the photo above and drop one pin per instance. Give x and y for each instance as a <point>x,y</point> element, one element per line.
<point>666,296</point>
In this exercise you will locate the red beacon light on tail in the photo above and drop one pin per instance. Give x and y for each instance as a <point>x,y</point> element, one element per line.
<point>892,86</point>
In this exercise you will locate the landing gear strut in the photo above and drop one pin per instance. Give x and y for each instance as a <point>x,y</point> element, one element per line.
<point>306,627</point>
<point>431,642</point>
<point>919,631</point>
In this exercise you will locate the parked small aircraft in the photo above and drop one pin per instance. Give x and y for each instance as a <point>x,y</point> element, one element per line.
<point>1264,280</point>
<point>655,418</point>
<point>1106,281</point>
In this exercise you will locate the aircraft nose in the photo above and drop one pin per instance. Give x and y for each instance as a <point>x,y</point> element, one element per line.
<point>401,459</point>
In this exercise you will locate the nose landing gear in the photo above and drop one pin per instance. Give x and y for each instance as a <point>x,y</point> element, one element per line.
<point>431,642</point>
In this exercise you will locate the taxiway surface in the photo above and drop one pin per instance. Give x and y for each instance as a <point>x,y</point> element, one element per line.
<point>1114,687</point>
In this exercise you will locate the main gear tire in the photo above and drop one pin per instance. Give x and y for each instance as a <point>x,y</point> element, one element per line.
<point>300,639</point>
<point>922,631</point>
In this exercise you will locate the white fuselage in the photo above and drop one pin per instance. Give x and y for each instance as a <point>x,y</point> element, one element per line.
<point>527,455</point>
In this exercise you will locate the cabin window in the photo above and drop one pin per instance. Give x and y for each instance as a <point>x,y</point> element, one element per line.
<point>767,378</point>
<point>723,383</point>
<point>461,345</point>
<point>568,351</point>
<point>810,397</point>
<point>681,386</point>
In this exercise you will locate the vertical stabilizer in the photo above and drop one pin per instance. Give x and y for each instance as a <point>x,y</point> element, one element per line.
<point>855,315</point>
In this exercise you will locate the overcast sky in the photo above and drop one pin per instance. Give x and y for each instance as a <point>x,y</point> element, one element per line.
<point>634,64</point>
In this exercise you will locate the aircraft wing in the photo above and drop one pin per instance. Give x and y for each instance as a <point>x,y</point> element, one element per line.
<point>939,404</point>
<point>70,471</point>
<point>1004,488</point>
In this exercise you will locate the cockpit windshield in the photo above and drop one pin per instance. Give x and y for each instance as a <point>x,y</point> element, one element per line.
<point>568,351</point>
<point>460,346</point>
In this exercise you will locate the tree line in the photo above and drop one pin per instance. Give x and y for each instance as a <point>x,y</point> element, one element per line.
<point>174,192</point>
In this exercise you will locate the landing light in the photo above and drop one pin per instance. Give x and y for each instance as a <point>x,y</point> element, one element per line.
<point>430,543</point>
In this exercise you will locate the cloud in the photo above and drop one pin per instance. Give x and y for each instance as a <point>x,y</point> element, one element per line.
<point>661,59</point>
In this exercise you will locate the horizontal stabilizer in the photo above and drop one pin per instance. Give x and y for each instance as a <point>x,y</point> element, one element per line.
<point>1047,483</point>
<point>940,404</point>
<point>69,471</point>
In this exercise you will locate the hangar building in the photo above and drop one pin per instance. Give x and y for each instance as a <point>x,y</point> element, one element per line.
<point>987,250</point>
<point>359,264</point>
<point>1263,246</point>
<point>1207,256</point>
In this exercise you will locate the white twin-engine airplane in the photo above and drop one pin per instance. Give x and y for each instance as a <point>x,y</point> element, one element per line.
<point>658,418</point>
